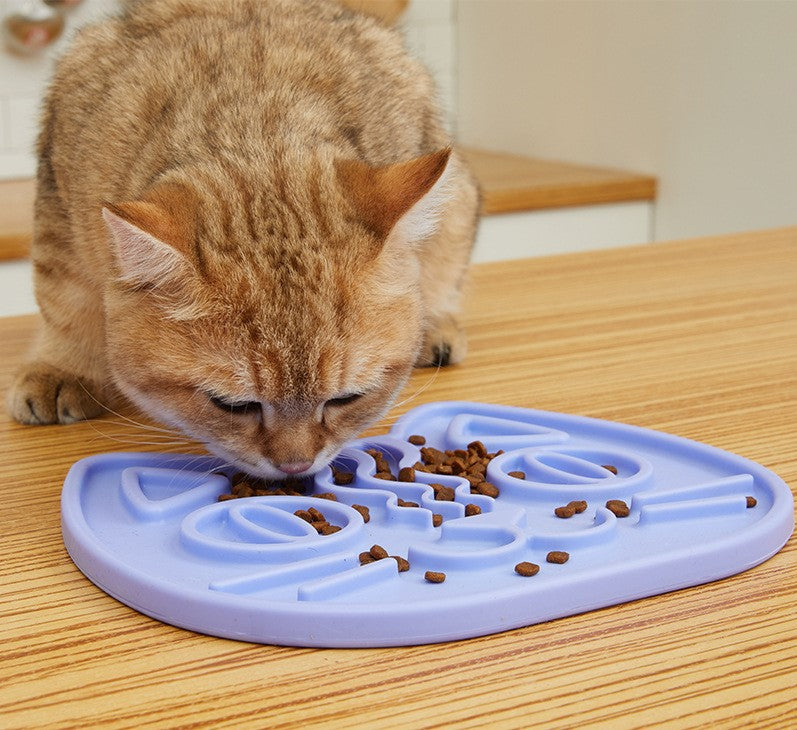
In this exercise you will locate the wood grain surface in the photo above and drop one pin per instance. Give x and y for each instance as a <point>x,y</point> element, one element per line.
<point>512,183</point>
<point>697,338</point>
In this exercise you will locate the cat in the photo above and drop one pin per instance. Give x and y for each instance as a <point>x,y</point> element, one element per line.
<point>249,222</point>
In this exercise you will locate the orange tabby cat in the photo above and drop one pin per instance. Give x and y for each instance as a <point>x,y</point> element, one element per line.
<point>249,222</point>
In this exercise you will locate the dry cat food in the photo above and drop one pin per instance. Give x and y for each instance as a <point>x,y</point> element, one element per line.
<point>377,552</point>
<point>751,502</point>
<point>243,485</point>
<point>317,520</point>
<point>437,520</point>
<point>471,510</point>
<point>576,507</point>
<point>618,507</point>
<point>527,569</point>
<point>470,463</point>
<point>434,577</point>
<point>364,511</point>
<point>557,556</point>
<point>611,468</point>
<point>342,477</point>
<point>517,474</point>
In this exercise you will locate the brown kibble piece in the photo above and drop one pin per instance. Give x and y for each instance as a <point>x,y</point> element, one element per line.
<point>557,556</point>
<point>378,552</point>
<point>403,563</point>
<point>609,467</point>
<point>304,514</point>
<point>442,493</point>
<point>478,448</point>
<point>437,520</point>
<point>751,502</point>
<point>517,474</point>
<point>327,529</point>
<point>472,509</point>
<point>342,478</point>
<point>527,569</point>
<point>434,577</point>
<point>618,508</point>
<point>327,495</point>
<point>417,440</point>
<point>386,475</point>
<point>363,510</point>
<point>487,489</point>
<point>225,497</point>
<point>565,512</point>
<point>406,474</point>
<point>366,558</point>
<point>578,505</point>
<point>403,503</point>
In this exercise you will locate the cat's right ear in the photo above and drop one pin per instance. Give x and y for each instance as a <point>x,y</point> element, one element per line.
<point>146,240</point>
<point>407,196</point>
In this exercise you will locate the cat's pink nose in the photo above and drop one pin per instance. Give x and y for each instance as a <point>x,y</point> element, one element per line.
<point>295,467</point>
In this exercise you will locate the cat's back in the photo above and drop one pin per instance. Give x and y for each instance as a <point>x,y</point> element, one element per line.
<point>171,81</point>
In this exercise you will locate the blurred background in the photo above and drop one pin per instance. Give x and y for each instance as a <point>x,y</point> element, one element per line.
<point>589,123</point>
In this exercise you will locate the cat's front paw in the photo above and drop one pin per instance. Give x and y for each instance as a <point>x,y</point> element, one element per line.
<point>444,343</point>
<point>42,394</point>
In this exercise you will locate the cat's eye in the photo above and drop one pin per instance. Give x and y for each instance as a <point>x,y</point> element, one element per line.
<point>243,406</point>
<point>344,400</point>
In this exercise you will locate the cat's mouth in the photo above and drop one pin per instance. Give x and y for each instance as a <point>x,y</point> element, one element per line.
<point>265,469</point>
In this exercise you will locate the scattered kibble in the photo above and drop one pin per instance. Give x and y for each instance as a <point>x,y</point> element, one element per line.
<point>378,552</point>
<point>557,556</point>
<point>417,440</point>
<point>406,474</point>
<point>471,510</point>
<point>434,577</point>
<point>527,569</point>
<point>364,511</point>
<point>751,502</point>
<point>610,467</point>
<point>565,512</point>
<point>437,520</point>
<point>318,521</point>
<point>618,507</point>
<point>517,474</point>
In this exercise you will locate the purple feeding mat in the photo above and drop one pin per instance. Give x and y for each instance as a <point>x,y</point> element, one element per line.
<point>149,530</point>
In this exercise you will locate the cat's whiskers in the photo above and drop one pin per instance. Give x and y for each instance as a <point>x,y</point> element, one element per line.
<point>390,421</point>
<point>129,420</point>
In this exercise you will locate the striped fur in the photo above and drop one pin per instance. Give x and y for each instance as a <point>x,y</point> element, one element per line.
<point>250,199</point>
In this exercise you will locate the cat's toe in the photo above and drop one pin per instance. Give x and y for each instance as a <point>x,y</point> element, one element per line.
<point>42,395</point>
<point>444,344</point>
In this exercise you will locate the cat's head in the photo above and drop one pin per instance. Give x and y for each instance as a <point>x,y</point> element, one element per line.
<point>271,319</point>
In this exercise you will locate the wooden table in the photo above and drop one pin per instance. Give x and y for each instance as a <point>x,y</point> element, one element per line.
<point>697,338</point>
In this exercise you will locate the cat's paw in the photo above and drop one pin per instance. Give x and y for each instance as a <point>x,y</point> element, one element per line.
<point>42,394</point>
<point>444,343</point>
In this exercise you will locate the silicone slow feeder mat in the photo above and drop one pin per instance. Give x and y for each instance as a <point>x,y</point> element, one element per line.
<point>149,530</point>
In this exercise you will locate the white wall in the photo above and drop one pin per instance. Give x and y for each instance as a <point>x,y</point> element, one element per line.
<point>701,94</point>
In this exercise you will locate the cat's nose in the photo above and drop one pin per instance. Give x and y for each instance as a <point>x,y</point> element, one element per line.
<point>295,467</point>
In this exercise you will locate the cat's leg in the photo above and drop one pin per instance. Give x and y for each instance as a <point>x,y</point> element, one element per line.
<point>64,381</point>
<point>444,264</point>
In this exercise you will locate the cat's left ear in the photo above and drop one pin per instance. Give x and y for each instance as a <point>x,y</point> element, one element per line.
<point>406,197</point>
<point>150,237</point>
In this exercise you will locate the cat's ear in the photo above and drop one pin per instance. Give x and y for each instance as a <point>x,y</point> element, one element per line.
<point>407,196</point>
<point>151,237</point>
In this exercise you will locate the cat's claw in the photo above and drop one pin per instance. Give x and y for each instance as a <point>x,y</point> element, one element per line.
<point>42,395</point>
